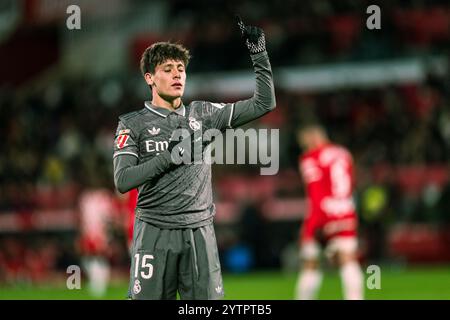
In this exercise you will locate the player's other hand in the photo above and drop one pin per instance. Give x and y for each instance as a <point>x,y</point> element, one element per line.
<point>253,36</point>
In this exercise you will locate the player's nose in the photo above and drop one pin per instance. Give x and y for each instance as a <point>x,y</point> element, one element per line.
<point>176,74</point>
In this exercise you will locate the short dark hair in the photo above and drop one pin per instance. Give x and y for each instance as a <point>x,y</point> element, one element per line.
<point>160,52</point>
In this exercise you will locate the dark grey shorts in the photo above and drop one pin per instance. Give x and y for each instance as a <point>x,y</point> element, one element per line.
<point>167,261</point>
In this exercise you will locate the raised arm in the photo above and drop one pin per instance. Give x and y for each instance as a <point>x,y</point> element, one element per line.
<point>263,99</point>
<point>236,114</point>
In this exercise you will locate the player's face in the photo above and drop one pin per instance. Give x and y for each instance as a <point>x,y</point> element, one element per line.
<point>168,80</point>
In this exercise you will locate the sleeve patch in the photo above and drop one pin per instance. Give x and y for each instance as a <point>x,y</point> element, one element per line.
<point>122,140</point>
<point>124,131</point>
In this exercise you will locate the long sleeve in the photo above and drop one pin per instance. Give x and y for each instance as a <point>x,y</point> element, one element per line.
<point>233,115</point>
<point>128,174</point>
<point>263,99</point>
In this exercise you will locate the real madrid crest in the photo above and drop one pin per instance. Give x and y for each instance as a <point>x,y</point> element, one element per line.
<point>194,124</point>
<point>137,286</point>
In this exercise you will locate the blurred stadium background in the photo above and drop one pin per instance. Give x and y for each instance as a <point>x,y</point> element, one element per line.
<point>383,93</point>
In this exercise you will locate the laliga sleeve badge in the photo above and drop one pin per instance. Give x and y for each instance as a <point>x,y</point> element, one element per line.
<point>194,124</point>
<point>122,141</point>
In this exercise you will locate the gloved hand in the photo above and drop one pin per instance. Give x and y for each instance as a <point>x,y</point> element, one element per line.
<point>253,36</point>
<point>186,143</point>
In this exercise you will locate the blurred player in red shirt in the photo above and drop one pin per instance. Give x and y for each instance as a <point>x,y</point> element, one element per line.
<point>326,169</point>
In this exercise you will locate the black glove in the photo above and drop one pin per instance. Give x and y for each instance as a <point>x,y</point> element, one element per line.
<point>186,143</point>
<point>253,36</point>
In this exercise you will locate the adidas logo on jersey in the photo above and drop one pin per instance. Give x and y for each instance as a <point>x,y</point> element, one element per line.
<point>154,131</point>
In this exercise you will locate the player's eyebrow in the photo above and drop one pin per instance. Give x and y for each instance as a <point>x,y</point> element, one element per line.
<point>170,64</point>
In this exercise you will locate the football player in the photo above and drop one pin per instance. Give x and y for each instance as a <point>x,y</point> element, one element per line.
<point>174,246</point>
<point>331,218</point>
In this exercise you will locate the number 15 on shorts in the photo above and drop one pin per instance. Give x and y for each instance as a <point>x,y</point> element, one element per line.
<point>145,265</point>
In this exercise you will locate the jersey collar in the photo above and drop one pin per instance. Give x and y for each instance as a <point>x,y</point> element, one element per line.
<point>163,112</point>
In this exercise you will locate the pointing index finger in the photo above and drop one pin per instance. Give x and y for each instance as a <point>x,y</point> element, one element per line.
<point>240,23</point>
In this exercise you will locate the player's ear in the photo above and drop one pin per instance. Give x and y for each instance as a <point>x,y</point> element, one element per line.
<point>149,78</point>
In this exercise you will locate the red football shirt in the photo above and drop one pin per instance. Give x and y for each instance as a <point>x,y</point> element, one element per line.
<point>328,175</point>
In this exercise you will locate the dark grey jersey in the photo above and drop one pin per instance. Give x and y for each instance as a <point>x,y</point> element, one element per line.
<point>179,196</point>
